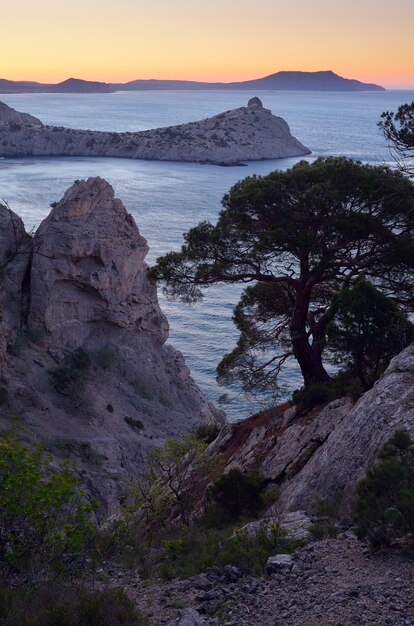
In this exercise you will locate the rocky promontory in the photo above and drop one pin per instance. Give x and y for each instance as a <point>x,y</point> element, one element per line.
<point>244,134</point>
<point>84,366</point>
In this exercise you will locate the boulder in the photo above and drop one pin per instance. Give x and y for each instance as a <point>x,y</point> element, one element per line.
<point>190,617</point>
<point>295,523</point>
<point>279,564</point>
<point>232,573</point>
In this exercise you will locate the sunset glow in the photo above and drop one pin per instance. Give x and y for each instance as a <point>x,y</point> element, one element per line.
<point>219,40</point>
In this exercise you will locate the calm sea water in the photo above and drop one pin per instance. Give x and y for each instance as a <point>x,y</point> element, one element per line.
<point>167,199</point>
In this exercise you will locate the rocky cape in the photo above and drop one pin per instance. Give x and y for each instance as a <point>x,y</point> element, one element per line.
<point>244,134</point>
<point>80,281</point>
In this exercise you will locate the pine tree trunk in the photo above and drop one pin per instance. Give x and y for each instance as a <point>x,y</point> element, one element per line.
<point>309,357</point>
<point>310,361</point>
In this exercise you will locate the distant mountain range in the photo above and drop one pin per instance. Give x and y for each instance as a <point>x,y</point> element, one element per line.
<point>295,81</point>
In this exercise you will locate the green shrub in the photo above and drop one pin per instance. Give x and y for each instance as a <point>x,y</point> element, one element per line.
<point>106,358</point>
<point>324,529</point>
<point>52,604</point>
<point>238,493</point>
<point>207,432</point>
<point>79,359</point>
<point>43,512</point>
<point>134,423</point>
<point>198,548</point>
<point>367,330</point>
<point>344,383</point>
<point>83,449</point>
<point>328,512</point>
<point>175,480</point>
<point>143,389</point>
<point>312,395</point>
<point>384,509</point>
<point>69,379</point>
<point>165,401</point>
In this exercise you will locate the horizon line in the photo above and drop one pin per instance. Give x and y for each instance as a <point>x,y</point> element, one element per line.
<point>55,81</point>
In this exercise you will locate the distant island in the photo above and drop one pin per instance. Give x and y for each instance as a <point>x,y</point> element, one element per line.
<point>282,81</point>
<point>248,133</point>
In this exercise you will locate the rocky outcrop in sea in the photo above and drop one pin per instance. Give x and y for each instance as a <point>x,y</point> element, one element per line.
<point>244,134</point>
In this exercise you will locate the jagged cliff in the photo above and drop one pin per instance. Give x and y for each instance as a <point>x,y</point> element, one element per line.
<point>328,449</point>
<point>244,134</point>
<point>81,282</point>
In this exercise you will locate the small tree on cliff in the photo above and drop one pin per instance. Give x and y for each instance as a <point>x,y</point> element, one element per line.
<point>299,236</point>
<point>367,330</point>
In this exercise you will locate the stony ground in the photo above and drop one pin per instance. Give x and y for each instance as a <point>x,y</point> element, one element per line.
<point>333,582</point>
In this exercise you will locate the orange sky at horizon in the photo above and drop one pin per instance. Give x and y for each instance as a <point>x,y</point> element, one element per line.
<point>222,40</point>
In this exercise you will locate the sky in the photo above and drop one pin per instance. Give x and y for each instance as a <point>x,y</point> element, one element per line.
<point>217,40</point>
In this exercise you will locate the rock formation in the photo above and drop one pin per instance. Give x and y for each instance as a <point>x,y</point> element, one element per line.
<point>15,255</point>
<point>88,272</point>
<point>84,286</point>
<point>245,134</point>
<point>10,117</point>
<point>328,449</point>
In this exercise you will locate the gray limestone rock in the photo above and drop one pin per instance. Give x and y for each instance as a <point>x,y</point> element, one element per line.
<point>279,564</point>
<point>88,271</point>
<point>88,289</point>
<point>190,617</point>
<point>243,134</point>
<point>295,523</point>
<point>13,119</point>
<point>232,573</point>
<point>15,258</point>
<point>357,437</point>
<point>326,450</point>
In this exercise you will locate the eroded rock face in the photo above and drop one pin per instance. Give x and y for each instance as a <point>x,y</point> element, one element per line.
<point>15,258</point>
<point>88,270</point>
<point>89,290</point>
<point>328,449</point>
<point>243,134</point>
<point>357,438</point>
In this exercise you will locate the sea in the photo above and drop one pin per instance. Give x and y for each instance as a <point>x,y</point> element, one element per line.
<point>168,198</point>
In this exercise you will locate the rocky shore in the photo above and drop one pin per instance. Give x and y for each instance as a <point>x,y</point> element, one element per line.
<point>244,134</point>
